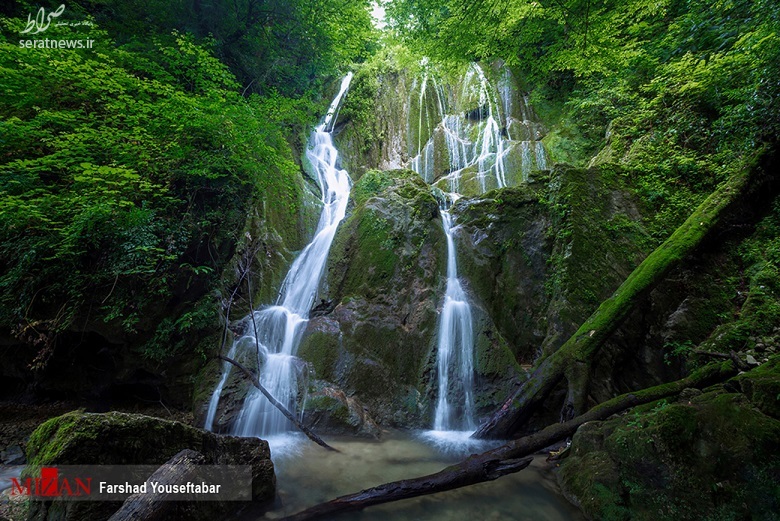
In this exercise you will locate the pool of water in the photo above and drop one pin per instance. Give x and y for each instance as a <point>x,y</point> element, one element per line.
<point>308,475</point>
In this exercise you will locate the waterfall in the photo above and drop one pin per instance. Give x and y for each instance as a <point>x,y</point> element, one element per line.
<point>455,353</point>
<point>277,329</point>
<point>479,130</point>
<point>480,135</point>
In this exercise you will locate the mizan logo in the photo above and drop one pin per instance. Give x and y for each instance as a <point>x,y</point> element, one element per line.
<point>51,485</point>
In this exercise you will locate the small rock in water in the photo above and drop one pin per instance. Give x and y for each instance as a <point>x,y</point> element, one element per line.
<point>13,455</point>
<point>751,360</point>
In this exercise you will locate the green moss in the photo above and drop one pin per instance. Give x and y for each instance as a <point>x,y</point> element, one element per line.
<point>493,356</point>
<point>501,249</point>
<point>592,482</point>
<point>322,351</point>
<point>373,246</point>
<point>335,408</point>
<point>48,441</point>
<point>593,332</point>
<point>707,457</point>
<point>762,386</point>
<point>596,242</point>
<point>371,184</point>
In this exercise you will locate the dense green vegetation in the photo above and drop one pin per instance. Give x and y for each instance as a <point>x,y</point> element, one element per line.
<point>155,178</point>
<point>680,91</point>
<point>128,170</point>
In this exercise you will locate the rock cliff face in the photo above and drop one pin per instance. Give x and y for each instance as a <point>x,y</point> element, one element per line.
<point>535,258</point>
<point>386,279</point>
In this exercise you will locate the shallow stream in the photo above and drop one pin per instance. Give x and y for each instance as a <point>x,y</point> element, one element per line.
<point>308,475</point>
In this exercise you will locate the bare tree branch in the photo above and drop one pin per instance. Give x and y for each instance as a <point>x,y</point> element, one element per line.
<point>276,403</point>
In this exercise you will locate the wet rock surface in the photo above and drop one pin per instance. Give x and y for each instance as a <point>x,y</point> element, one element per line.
<point>329,410</point>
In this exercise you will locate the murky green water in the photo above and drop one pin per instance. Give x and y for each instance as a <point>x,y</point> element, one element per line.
<point>307,475</point>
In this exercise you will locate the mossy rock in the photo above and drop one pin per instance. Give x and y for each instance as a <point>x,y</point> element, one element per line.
<point>706,456</point>
<point>330,411</point>
<point>372,130</point>
<point>383,275</point>
<point>762,387</point>
<point>503,250</point>
<point>79,438</point>
<point>321,347</point>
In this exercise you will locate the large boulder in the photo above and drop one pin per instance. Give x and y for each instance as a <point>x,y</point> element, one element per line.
<point>710,455</point>
<point>329,410</point>
<point>114,438</point>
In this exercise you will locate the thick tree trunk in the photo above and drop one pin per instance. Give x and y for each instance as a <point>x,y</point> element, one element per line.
<point>572,361</point>
<point>511,457</point>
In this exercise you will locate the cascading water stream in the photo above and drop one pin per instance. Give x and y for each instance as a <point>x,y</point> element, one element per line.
<point>455,353</point>
<point>494,133</point>
<point>478,140</point>
<point>277,329</point>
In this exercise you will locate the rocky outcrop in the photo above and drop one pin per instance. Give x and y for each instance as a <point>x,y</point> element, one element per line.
<point>386,275</point>
<point>372,133</point>
<point>709,455</point>
<point>114,438</point>
<point>541,256</point>
<point>505,245</point>
<point>329,410</point>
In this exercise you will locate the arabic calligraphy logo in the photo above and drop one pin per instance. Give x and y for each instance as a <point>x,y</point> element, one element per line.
<point>38,23</point>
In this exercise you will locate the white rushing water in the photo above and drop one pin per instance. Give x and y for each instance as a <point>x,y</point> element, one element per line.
<point>477,141</point>
<point>455,349</point>
<point>277,329</point>
<point>482,129</point>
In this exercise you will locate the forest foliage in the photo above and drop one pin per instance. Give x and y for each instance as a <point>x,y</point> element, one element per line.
<point>127,169</point>
<point>682,92</point>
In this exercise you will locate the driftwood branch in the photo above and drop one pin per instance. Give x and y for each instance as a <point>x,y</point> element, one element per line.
<point>276,403</point>
<point>512,456</point>
<point>473,470</point>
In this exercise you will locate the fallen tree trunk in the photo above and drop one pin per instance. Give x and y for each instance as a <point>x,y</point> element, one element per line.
<point>474,470</point>
<point>148,507</point>
<point>512,456</point>
<point>276,403</point>
<point>573,359</point>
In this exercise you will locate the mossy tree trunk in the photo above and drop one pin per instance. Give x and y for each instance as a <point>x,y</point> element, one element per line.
<point>573,360</point>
